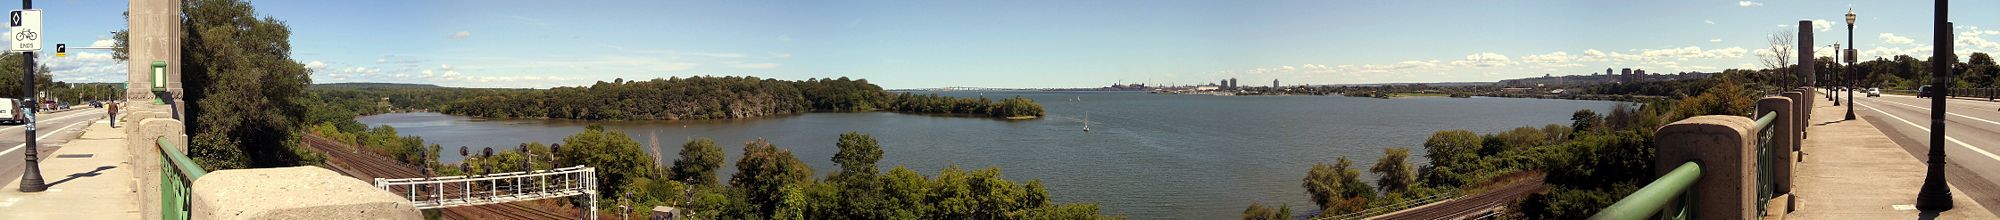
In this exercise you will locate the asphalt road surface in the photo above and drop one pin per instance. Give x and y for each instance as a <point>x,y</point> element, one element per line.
<point>51,131</point>
<point>1972,144</point>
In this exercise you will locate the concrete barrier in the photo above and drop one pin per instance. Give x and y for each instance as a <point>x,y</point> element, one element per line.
<point>1723,146</point>
<point>143,142</point>
<point>1784,140</point>
<point>304,192</point>
<point>1802,109</point>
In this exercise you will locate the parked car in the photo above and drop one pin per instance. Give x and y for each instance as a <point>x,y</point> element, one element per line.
<point>1874,92</point>
<point>10,111</point>
<point>1924,92</point>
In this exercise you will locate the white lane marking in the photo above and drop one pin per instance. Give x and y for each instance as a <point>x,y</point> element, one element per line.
<point>52,133</point>
<point>1947,111</point>
<point>50,119</point>
<point>1928,129</point>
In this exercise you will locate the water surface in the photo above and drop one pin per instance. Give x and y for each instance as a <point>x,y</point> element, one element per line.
<point>1146,156</point>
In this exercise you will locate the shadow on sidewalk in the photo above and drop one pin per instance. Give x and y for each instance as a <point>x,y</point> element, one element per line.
<point>98,171</point>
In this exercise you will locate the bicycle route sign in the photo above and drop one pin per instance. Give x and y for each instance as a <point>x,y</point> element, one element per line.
<point>25,34</point>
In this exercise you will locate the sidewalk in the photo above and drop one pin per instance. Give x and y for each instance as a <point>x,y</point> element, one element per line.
<point>89,178</point>
<point>1854,171</point>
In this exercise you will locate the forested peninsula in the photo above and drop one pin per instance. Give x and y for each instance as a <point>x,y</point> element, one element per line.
<point>699,97</point>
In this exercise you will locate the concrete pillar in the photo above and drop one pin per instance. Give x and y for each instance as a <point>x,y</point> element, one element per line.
<point>1804,111</point>
<point>1722,144</point>
<point>1805,67</point>
<point>1783,141</point>
<point>155,35</point>
<point>146,162</point>
<point>302,192</point>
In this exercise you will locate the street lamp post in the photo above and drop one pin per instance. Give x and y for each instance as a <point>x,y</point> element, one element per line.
<point>1852,79</point>
<point>1935,195</point>
<point>1831,92</point>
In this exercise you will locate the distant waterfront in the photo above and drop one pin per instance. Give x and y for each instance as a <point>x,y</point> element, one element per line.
<point>1146,156</point>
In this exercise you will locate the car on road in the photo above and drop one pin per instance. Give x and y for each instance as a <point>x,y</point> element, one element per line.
<point>1924,92</point>
<point>1874,92</point>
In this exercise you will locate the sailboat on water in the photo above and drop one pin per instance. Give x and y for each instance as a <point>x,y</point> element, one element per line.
<point>1086,122</point>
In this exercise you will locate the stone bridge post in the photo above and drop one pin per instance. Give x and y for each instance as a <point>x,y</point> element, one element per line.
<point>1723,146</point>
<point>1783,142</point>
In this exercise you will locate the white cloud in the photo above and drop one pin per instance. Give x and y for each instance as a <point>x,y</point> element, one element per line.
<point>1715,40</point>
<point>104,43</point>
<point>1708,21</point>
<point>85,67</point>
<point>1891,38</point>
<point>315,65</point>
<point>1822,24</point>
<point>461,35</point>
<point>1748,3</point>
<point>754,65</point>
<point>719,55</point>
<point>1484,60</point>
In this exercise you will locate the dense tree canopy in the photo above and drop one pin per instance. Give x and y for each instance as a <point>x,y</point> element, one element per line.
<point>698,162</point>
<point>242,88</point>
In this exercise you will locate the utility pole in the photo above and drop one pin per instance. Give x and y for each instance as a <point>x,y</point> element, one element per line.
<point>1935,196</point>
<point>31,180</point>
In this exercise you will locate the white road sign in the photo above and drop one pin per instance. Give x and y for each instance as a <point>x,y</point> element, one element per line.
<point>26,34</point>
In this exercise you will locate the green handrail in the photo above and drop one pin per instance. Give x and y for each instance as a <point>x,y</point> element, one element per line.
<point>177,176</point>
<point>1655,196</point>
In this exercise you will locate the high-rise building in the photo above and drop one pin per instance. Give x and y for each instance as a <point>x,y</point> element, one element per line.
<point>1607,71</point>
<point>1274,83</point>
<point>1625,71</point>
<point>1232,83</point>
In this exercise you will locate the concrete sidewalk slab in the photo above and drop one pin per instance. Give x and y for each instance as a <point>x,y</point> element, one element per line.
<point>1854,171</point>
<point>90,178</point>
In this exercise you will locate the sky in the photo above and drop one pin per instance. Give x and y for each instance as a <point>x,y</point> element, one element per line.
<point>1035,43</point>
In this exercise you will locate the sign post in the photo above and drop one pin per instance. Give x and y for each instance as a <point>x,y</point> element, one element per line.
<point>26,33</point>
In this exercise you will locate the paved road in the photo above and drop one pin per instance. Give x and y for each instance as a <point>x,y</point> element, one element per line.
<point>1972,131</point>
<point>51,130</point>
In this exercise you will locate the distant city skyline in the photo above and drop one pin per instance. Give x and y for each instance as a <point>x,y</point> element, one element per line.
<point>1033,44</point>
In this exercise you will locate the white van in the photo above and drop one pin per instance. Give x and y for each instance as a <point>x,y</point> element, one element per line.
<point>10,111</point>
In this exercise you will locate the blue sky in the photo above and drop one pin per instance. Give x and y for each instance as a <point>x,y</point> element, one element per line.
<point>922,44</point>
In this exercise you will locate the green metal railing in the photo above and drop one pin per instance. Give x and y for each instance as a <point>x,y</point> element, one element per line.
<point>1767,156</point>
<point>177,176</point>
<point>1656,198</point>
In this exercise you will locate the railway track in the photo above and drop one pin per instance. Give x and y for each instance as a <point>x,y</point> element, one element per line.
<point>367,165</point>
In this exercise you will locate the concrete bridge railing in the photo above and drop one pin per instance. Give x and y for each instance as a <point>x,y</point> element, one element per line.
<point>176,188</point>
<point>1724,166</point>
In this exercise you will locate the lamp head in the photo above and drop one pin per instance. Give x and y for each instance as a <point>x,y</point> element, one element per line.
<point>1850,17</point>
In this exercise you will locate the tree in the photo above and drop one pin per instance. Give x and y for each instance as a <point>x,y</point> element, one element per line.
<point>1779,57</point>
<point>1395,174</point>
<point>1585,120</point>
<point>764,171</point>
<point>698,163</point>
<point>239,68</point>
<point>1258,211</point>
<point>1452,153</point>
<point>615,155</point>
<point>1337,188</point>
<point>858,154</point>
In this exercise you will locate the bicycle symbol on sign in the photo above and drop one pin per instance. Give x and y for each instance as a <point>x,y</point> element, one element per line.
<point>26,35</point>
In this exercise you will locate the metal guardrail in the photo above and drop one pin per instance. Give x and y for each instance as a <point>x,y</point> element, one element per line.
<point>1654,198</point>
<point>455,191</point>
<point>177,176</point>
<point>1767,182</point>
<point>1371,212</point>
